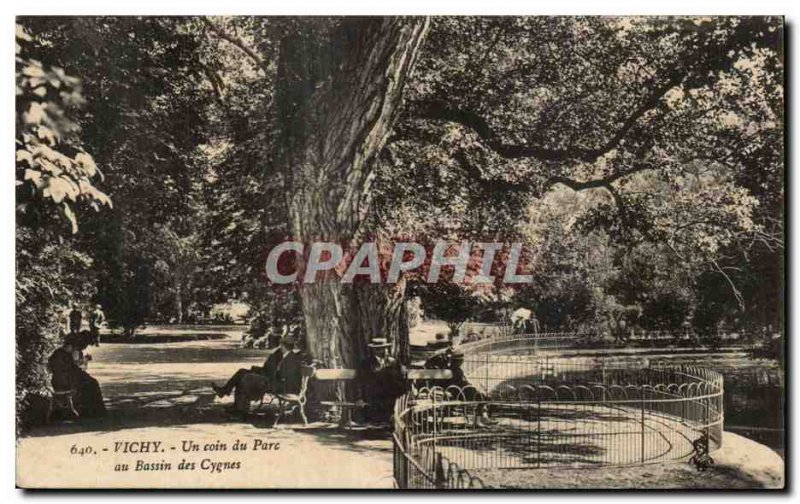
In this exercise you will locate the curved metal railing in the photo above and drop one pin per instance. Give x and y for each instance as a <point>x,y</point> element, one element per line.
<point>527,411</point>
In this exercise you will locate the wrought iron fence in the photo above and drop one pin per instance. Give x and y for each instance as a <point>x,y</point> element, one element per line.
<point>522,411</point>
<point>420,466</point>
<point>530,342</point>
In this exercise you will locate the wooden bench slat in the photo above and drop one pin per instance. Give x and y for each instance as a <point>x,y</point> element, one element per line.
<point>429,374</point>
<point>411,374</point>
<point>335,374</point>
<point>358,404</point>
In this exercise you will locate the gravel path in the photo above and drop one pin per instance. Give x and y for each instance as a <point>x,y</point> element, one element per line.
<point>739,464</point>
<point>161,393</point>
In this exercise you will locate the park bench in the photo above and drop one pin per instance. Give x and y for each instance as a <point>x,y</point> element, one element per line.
<point>351,374</point>
<point>289,403</point>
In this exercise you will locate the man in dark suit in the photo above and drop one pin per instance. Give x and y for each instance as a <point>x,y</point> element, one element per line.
<point>281,373</point>
<point>384,382</point>
<point>289,378</point>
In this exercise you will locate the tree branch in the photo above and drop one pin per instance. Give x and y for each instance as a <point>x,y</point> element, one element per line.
<point>217,85</point>
<point>237,42</point>
<point>474,121</point>
<point>736,293</point>
<point>605,182</point>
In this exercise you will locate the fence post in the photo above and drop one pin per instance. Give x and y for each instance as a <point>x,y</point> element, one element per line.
<point>538,430</point>
<point>486,383</point>
<point>435,419</point>
<point>396,465</point>
<point>643,391</point>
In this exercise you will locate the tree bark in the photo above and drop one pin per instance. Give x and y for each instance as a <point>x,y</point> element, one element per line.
<point>339,87</point>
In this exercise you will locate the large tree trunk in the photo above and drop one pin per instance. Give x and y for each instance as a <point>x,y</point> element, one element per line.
<point>339,87</point>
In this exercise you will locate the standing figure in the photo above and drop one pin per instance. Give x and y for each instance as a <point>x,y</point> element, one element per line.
<point>96,319</point>
<point>519,320</point>
<point>75,319</point>
<point>533,324</point>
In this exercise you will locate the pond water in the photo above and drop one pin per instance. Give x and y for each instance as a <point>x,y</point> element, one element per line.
<point>754,396</point>
<point>754,392</point>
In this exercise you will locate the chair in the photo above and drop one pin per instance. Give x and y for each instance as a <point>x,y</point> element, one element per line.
<point>288,403</point>
<point>63,400</point>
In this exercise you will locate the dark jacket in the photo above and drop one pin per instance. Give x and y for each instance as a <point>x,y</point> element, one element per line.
<point>290,373</point>
<point>62,367</point>
<point>272,364</point>
<point>75,318</point>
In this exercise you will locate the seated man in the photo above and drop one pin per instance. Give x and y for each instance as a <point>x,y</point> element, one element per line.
<point>251,384</point>
<point>290,372</point>
<point>385,381</point>
<point>459,379</point>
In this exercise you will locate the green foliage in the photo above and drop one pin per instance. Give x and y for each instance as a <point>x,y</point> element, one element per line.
<point>669,129</point>
<point>148,140</point>
<point>54,179</point>
<point>270,311</point>
<point>49,278</point>
<point>449,302</point>
<point>51,163</point>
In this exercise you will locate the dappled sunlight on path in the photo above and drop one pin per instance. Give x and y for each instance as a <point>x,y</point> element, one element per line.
<point>162,392</point>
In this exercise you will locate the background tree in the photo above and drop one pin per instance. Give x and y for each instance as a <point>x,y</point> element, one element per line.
<point>656,119</point>
<point>145,121</point>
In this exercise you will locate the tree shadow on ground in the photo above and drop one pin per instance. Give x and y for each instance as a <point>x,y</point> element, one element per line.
<point>163,407</point>
<point>162,338</point>
<point>180,404</point>
<point>356,440</point>
<point>568,437</point>
<point>544,450</point>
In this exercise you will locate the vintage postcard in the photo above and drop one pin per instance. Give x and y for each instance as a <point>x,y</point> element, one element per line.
<point>446,252</point>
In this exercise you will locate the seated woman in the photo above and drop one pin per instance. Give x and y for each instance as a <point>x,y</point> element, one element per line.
<point>66,366</point>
